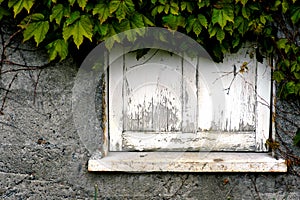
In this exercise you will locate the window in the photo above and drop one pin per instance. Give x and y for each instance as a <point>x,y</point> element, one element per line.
<point>169,102</point>
<point>164,106</point>
<point>168,111</point>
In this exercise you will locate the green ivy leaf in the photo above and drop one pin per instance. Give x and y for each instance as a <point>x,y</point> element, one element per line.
<point>133,21</point>
<point>295,14</point>
<point>190,23</point>
<point>18,5</point>
<point>35,26</point>
<point>125,25</point>
<point>154,11</point>
<point>79,29</point>
<point>147,21</point>
<point>246,12</point>
<point>113,29</point>
<point>121,8</point>
<point>254,7</point>
<point>3,12</point>
<point>285,64</point>
<point>160,8</point>
<point>173,21</point>
<point>296,139</point>
<point>185,5</point>
<point>72,2</point>
<point>278,76</point>
<point>197,28</point>
<point>229,29</point>
<point>297,75</point>
<point>58,11</point>
<point>235,42</point>
<point>222,16</point>
<point>220,35</point>
<point>297,87</point>
<point>101,29</point>
<point>196,24</point>
<point>281,43</point>
<point>294,66</point>
<point>276,5</point>
<point>202,19</point>
<point>111,37</point>
<point>174,8</point>
<point>103,10</point>
<point>24,23</point>
<point>290,87</point>
<point>241,24</point>
<point>136,20</point>
<point>243,2</point>
<point>82,3</point>
<point>113,6</point>
<point>212,30</point>
<point>166,8</point>
<point>56,48</point>
<point>73,17</point>
<point>263,19</point>
<point>203,3</point>
<point>285,6</point>
<point>126,7</point>
<point>109,43</point>
<point>157,9</point>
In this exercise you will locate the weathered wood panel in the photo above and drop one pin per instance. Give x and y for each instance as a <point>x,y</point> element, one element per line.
<point>172,102</point>
<point>189,94</point>
<point>115,101</point>
<point>178,141</point>
<point>237,112</point>
<point>152,91</point>
<point>264,98</point>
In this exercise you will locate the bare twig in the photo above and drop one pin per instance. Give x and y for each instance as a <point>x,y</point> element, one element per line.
<point>35,85</point>
<point>288,120</point>
<point>26,68</point>
<point>255,187</point>
<point>224,74</point>
<point>278,127</point>
<point>7,91</point>
<point>146,59</point>
<point>6,44</point>
<point>180,187</point>
<point>9,43</point>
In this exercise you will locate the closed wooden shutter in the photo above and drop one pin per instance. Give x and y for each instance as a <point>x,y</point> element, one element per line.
<point>169,102</point>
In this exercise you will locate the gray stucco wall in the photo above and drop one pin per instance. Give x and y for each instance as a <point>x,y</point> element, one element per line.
<point>42,157</point>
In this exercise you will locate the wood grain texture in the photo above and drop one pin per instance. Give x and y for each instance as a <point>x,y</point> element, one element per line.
<point>172,102</point>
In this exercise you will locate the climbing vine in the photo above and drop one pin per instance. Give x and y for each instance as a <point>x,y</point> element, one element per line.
<point>220,26</point>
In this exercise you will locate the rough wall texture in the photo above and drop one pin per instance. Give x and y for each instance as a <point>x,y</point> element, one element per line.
<point>42,157</point>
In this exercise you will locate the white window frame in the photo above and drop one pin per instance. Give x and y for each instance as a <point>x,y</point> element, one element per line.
<point>260,161</point>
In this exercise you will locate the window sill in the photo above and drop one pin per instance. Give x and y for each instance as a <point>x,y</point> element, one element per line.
<point>187,162</point>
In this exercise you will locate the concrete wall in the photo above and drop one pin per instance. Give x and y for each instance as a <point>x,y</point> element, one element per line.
<point>42,157</point>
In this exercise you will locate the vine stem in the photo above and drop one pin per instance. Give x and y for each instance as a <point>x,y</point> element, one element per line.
<point>6,93</point>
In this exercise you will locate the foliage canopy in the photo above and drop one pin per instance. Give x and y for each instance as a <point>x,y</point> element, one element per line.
<point>220,26</point>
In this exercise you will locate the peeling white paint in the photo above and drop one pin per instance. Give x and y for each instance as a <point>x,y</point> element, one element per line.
<point>181,103</point>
